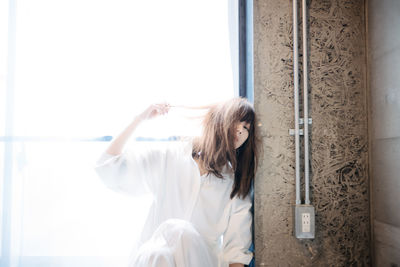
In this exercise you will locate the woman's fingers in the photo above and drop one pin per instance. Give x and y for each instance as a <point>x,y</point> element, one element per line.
<point>158,109</point>
<point>163,108</point>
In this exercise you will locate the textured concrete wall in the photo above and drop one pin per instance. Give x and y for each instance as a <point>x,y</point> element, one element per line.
<point>384,81</point>
<point>339,139</point>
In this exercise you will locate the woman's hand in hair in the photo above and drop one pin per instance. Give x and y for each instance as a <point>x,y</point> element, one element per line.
<point>152,111</point>
<point>155,110</point>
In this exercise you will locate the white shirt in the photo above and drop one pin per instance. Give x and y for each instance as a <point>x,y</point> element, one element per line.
<point>170,174</point>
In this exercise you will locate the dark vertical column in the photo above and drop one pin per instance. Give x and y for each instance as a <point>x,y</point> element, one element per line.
<point>249,51</point>
<point>242,48</point>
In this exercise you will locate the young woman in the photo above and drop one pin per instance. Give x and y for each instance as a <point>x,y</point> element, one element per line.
<point>201,210</point>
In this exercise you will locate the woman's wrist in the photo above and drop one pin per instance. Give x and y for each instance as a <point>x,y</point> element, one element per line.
<point>138,118</point>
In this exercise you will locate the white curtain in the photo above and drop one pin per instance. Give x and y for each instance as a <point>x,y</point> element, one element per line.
<point>78,70</point>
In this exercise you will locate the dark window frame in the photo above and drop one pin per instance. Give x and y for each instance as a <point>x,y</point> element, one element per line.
<point>246,70</point>
<point>246,80</point>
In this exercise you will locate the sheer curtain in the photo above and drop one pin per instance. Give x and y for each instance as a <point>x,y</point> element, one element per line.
<point>72,72</point>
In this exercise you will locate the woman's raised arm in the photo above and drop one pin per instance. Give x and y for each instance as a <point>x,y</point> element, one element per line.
<point>152,111</point>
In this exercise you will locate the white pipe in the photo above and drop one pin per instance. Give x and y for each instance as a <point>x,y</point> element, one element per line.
<point>296,98</point>
<point>305,104</point>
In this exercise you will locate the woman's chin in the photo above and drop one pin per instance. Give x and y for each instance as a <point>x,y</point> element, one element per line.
<point>237,146</point>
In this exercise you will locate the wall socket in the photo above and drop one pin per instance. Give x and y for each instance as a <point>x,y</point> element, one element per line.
<point>304,221</point>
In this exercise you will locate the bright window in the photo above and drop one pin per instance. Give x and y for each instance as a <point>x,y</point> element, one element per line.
<point>81,69</point>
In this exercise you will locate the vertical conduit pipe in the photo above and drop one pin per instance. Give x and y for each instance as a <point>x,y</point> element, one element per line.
<point>305,104</point>
<point>296,98</point>
<point>304,223</point>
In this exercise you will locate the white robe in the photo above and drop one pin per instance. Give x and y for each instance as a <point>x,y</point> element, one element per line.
<point>186,206</point>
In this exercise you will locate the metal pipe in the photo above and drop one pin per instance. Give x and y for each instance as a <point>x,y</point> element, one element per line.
<point>304,214</point>
<point>296,98</point>
<point>305,104</point>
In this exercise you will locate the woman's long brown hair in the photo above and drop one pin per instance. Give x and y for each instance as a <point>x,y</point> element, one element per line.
<point>215,148</point>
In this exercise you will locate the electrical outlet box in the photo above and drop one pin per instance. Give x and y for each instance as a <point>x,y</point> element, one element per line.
<point>304,221</point>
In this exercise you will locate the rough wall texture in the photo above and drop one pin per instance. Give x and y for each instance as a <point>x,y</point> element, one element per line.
<point>339,139</point>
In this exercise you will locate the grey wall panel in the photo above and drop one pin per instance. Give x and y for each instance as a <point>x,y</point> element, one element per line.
<point>384,81</point>
<point>386,255</point>
<point>387,244</point>
<point>383,32</point>
<point>386,180</point>
<point>385,94</point>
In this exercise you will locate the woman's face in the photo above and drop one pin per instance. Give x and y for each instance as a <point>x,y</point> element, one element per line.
<point>242,133</point>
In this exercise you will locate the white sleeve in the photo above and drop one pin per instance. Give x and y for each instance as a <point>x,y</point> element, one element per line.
<point>135,172</point>
<point>237,237</point>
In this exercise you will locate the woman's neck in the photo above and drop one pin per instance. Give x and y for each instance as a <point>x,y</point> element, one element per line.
<point>199,165</point>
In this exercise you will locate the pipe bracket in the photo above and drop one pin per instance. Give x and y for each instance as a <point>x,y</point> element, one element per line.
<point>301,121</point>
<point>293,132</point>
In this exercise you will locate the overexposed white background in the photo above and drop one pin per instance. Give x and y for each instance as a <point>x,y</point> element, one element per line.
<point>79,70</point>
